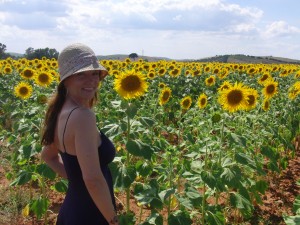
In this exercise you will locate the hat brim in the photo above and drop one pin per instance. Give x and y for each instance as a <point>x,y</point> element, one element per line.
<point>91,67</point>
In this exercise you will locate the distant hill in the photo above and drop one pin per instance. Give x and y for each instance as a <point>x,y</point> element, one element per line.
<point>122,57</point>
<point>239,58</point>
<point>236,58</point>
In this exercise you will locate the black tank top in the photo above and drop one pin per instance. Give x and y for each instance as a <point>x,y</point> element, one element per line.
<point>78,207</point>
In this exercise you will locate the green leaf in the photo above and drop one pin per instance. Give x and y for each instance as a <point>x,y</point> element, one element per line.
<point>231,176</point>
<point>165,194</point>
<point>148,194</point>
<point>112,130</point>
<point>147,121</point>
<point>131,110</point>
<point>138,148</point>
<point>154,219</point>
<point>245,160</point>
<point>143,168</point>
<point>216,218</point>
<point>296,205</point>
<point>194,196</point>
<point>238,139</point>
<point>261,186</point>
<point>23,177</point>
<point>39,206</point>
<point>270,153</point>
<point>291,220</point>
<point>180,218</point>
<point>242,203</point>
<point>61,186</point>
<point>127,219</point>
<point>208,179</point>
<point>46,171</point>
<point>123,176</point>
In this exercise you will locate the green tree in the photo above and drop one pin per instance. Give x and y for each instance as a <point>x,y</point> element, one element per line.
<point>133,56</point>
<point>3,54</point>
<point>48,53</point>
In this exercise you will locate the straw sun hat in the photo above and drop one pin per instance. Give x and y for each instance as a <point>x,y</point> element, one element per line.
<point>77,58</point>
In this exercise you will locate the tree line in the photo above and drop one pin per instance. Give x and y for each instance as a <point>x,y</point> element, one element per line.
<point>31,53</point>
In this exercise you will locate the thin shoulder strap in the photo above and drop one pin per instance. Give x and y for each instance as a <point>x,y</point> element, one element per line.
<point>66,127</point>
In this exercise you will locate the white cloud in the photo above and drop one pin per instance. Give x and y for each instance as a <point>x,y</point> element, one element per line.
<point>279,28</point>
<point>170,28</point>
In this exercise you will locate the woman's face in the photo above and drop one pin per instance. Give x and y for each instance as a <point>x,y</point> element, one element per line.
<point>83,86</point>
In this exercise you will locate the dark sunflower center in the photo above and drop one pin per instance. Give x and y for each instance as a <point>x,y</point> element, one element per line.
<point>43,78</point>
<point>28,73</point>
<point>166,95</point>
<point>264,77</point>
<point>186,103</point>
<point>203,101</point>
<point>251,99</point>
<point>270,89</point>
<point>131,83</point>
<point>234,97</point>
<point>267,104</point>
<point>23,91</point>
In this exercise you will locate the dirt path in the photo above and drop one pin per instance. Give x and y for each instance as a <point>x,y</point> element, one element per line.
<point>280,196</point>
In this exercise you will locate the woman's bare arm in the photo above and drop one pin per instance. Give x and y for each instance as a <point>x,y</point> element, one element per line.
<point>52,158</point>
<point>86,145</point>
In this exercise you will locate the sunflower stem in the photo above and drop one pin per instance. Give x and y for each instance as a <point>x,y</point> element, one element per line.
<point>127,164</point>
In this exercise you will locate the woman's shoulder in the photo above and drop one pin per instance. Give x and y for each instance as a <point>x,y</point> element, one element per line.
<point>83,114</point>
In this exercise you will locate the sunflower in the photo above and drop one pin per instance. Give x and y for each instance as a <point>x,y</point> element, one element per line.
<point>42,99</point>
<point>165,95</point>
<point>27,73</point>
<point>234,98</point>
<point>187,72</point>
<point>7,69</point>
<point>151,74</point>
<point>266,105</point>
<point>251,71</point>
<point>294,90</point>
<point>297,74</point>
<point>196,73</point>
<point>186,102</point>
<point>207,69</point>
<point>23,90</point>
<point>226,85</point>
<point>210,81</point>
<point>162,71</point>
<point>130,84</point>
<point>265,77</point>
<point>175,72</point>
<point>114,73</point>
<point>43,79</point>
<point>270,88</point>
<point>252,97</point>
<point>161,85</point>
<point>223,73</point>
<point>202,101</point>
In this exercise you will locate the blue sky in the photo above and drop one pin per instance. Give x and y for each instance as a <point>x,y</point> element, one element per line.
<point>177,29</point>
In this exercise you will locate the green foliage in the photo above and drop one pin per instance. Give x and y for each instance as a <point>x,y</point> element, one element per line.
<point>168,158</point>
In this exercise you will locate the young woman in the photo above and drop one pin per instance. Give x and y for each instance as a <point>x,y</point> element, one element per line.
<point>74,147</point>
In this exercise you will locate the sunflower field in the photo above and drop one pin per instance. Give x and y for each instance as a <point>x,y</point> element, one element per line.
<point>194,140</point>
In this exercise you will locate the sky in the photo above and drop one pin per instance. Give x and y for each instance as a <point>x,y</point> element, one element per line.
<point>176,29</point>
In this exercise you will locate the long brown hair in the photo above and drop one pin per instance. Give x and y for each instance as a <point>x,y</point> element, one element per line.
<point>54,108</point>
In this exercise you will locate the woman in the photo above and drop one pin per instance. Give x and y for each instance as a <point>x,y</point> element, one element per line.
<point>73,146</point>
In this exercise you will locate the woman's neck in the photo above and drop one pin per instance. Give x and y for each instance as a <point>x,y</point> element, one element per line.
<point>78,102</point>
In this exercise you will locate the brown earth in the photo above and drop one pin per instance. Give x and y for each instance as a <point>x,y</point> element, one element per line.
<point>277,201</point>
